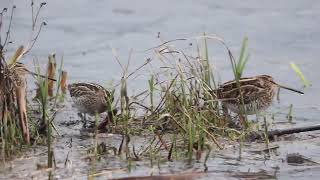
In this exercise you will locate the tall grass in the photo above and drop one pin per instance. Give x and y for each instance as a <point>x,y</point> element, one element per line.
<point>14,135</point>
<point>45,90</point>
<point>180,97</point>
<point>238,68</point>
<point>10,131</point>
<point>243,59</point>
<point>46,122</point>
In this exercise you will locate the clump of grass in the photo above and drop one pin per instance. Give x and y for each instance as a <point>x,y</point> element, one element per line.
<point>9,131</point>
<point>238,68</point>
<point>44,92</point>
<point>180,99</point>
<point>46,122</point>
<point>13,104</point>
<point>43,85</point>
<point>14,135</point>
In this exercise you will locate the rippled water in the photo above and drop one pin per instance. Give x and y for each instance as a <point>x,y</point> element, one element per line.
<point>83,31</point>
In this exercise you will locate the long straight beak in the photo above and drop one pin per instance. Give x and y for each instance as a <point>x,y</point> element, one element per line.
<point>36,74</point>
<point>290,89</point>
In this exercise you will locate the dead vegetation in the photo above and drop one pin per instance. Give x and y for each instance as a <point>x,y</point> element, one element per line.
<point>14,121</point>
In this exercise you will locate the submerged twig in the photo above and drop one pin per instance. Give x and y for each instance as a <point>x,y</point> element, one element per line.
<point>280,132</point>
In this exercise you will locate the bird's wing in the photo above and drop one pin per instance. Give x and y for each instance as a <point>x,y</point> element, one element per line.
<point>81,89</point>
<point>249,93</point>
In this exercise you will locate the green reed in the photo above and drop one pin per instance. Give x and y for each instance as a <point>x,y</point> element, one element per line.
<point>43,99</point>
<point>243,59</point>
<point>289,115</point>
<point>238,68</point>
<point>46,122</point>
<point>151,89</point>
<point>188,83</point>
<point>300,74</point>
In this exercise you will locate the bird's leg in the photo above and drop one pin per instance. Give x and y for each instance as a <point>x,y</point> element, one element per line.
<point>231,123</point>
<point>83,118</point>
<point>21,95</point>
<point>109,119</point>
<point>226,116</point>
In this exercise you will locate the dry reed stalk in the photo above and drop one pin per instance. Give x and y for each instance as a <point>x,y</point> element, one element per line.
<point>1,95</point>
<point>63,81</point>
<point>21,100</point>
<point>51,73</point>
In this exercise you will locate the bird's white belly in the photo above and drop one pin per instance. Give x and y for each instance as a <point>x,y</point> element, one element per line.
<point>250,109</point>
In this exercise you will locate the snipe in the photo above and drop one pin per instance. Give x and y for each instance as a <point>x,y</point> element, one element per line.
<point>257,92</point>
<point>90,98</point>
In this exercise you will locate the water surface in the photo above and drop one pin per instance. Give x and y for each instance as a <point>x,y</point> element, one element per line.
<point>83,31</point>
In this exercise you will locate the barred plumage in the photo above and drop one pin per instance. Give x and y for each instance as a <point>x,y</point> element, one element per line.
<point>90,98</point>
<point>257,92</point>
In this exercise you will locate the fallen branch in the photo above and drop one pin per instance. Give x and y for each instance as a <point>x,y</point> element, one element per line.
<point>280,132</point>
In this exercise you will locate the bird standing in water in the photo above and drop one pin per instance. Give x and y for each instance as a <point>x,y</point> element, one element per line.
<point>90,98</point>
<point>257,93</point>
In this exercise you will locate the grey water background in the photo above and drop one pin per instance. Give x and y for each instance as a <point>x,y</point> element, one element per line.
<point>83,31</point>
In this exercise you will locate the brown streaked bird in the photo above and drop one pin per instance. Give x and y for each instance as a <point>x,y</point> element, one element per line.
<point>90,98</point>
<point>257,92</point>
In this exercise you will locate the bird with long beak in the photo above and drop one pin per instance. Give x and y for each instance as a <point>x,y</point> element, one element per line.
<point>257,92</point>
